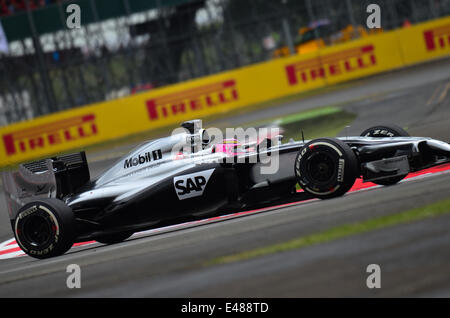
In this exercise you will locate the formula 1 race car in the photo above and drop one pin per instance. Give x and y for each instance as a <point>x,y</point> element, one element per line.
<point>53,203</point>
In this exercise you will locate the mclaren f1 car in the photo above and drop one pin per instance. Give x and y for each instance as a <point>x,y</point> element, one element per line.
<point>54,203</point>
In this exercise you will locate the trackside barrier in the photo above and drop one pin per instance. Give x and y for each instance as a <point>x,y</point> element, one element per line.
<point>223,92</point>
<point>425,41</point>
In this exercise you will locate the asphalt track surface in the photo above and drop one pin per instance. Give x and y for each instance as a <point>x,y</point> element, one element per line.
<point>414,258</point>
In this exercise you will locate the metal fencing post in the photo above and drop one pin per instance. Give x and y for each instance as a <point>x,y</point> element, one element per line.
<point>433,9</point>
<point>394,23</point>
<point>287,28</point>
<point>63,67</point>
<point>103,63</point>
<point>414,11</point>
<point>309,9</point>
<point>348,3</point>
<point>130,61</point>
<point>42,66</point>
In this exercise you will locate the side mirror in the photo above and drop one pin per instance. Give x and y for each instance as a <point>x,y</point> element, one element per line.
<point>193,126</point>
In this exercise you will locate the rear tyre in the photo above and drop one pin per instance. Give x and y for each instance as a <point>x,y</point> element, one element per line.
<point>326,168</point>
<point>383,131</point>
<point>45,228</point>
<point>114,238</point>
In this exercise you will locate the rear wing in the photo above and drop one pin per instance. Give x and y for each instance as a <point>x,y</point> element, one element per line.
<point>55,177</point>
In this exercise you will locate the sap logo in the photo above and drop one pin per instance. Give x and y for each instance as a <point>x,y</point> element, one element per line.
<point>191,185</point>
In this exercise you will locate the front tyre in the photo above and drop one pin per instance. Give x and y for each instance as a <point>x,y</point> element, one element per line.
<point>383,131</point>
<point>326,168</point>
<point>44,228</point>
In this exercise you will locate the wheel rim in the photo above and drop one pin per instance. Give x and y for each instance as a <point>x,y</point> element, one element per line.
<point>37,230</point>
<point>321,167</point>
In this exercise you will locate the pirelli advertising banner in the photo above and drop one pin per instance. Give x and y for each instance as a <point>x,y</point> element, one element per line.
<point>425,41</point>
<point>221,93</point>
<point>345,62</point>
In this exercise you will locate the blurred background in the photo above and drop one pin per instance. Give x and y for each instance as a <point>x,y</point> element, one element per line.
<point>128,46</point>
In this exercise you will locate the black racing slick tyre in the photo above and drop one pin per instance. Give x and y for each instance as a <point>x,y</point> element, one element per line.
<point>389,130</point>
<point>114,238</point>
<point>45,228</point>
<point>326,168</point>
<point>383,131</point>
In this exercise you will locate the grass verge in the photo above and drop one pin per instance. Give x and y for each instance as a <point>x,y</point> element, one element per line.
<point>346,230</point>
<point>321,122</point>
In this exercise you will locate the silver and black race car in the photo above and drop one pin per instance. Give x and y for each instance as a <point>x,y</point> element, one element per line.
<point>53,203</point>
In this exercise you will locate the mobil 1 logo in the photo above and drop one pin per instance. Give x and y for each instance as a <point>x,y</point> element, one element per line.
<point>142,158</point>
<point>191,185</point>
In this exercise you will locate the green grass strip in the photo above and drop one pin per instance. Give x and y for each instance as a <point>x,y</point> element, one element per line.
<point>435,209</point>
<point>308,114</point>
